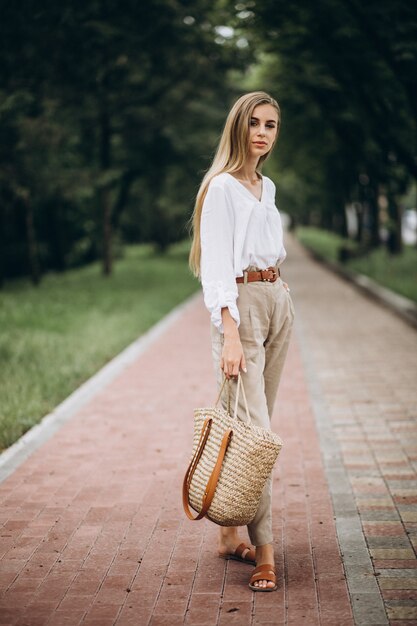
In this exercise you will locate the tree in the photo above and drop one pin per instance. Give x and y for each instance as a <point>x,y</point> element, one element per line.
<point>117,88</point>
<point>345,73</point>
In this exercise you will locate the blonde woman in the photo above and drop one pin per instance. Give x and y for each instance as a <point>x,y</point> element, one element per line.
<point>236,252</point>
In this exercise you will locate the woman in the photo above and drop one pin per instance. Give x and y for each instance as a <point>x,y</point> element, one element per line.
<point>237,248</point>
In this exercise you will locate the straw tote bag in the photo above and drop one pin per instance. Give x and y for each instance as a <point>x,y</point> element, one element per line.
<point>231,461</point>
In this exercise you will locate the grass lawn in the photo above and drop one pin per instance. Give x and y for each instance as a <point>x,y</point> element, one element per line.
<point>323,242</point>
<point>398,272</point>
<point>54,337</point>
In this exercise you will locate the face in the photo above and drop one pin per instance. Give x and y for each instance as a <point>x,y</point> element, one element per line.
<point>262,130</point>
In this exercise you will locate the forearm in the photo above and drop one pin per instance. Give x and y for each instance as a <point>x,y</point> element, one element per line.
<point>229,325</point>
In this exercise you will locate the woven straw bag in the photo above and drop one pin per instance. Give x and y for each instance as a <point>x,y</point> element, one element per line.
<point>230,464</point>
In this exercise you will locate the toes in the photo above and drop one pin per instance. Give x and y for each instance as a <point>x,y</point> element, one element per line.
<point>263,584</point>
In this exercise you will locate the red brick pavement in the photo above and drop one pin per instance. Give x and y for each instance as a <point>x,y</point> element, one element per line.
<point>365,365</point>
<point>93,529</point>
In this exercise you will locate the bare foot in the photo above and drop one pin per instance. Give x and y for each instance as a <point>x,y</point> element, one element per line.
<point>229,540</point>
<point>264,556</point>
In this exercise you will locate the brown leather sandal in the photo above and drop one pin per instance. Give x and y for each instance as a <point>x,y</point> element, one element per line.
<point>243,553</point>
<point>264,572</point>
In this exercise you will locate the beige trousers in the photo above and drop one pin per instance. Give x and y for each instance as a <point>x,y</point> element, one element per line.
<point>266,318</point>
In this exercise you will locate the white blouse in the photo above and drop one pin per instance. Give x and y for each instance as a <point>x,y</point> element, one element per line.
<point>237,231</point>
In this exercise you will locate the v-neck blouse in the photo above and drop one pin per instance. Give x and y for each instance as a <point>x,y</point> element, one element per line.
<point>237,231</point>
<point>248,190</point>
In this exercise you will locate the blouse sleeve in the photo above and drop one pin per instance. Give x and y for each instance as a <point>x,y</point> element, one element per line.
<point>217,270</point>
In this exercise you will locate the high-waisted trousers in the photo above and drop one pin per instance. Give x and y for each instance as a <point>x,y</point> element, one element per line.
<point>266,319</point>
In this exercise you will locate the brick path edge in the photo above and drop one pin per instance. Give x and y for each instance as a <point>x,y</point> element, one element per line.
<point>366,600</point>
<point>22,449</point>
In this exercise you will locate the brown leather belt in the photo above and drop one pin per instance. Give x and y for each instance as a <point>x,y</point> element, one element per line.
<point>267,276</point>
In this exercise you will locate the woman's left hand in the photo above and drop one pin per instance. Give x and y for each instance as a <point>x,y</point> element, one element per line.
<point>232,358</point>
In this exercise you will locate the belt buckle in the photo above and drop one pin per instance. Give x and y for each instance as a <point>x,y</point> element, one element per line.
<point>263,278</point>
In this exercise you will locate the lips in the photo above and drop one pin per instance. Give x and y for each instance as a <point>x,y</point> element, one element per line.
<point>259,143</point>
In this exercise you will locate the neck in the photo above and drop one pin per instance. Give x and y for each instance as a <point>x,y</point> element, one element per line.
<point>248,170</point>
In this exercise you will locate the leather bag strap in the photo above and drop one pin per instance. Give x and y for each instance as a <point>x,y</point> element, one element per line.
<point>214,477</point>
<point>205,432</point>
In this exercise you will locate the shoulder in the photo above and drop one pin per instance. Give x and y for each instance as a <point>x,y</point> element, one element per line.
<point>222,190</point>
<point>218,199</point>
<point>220,181</point>
<point>230,188</point>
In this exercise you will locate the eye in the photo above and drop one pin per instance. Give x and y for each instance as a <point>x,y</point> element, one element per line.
<point>253,122</point>
<point>271,125</point>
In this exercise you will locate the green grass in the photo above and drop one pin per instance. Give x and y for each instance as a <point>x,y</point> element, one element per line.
<point>396,272</point>
<point>54,337</point>
<point>323,242</point>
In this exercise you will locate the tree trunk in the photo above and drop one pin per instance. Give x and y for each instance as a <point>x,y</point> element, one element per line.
<point>123,196</point>
<point>2,242</point>
<point>104,192</point>
<point>374,222</point>
<point>32,245</point>
<point>394,242</point>
<point>340,222</point>
<point>107,230</point>
<point>55,234</point>
<point>326,219</point>
<point>360,209</point>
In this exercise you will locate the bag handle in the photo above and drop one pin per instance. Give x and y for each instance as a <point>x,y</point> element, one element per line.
<point>214,477</point>
<point>225,380</point>
<point>239,385</point>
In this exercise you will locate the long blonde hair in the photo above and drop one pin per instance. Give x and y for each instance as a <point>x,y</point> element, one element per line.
<point>230,156</point>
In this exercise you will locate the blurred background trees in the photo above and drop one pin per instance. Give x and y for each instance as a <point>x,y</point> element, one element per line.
<point>107,115</point>
<point>110,112</point>
<point>345,73</point>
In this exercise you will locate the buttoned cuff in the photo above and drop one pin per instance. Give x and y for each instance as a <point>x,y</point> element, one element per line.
<point>217,297</point>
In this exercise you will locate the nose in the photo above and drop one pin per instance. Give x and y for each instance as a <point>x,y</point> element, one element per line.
<point>261,131</point>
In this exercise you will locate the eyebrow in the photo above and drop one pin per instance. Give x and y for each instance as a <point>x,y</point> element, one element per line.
<point>257,119</point>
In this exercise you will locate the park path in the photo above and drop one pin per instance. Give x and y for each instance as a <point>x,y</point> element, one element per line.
<point>93,531</point>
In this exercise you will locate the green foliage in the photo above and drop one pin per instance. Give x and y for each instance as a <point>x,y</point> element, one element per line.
<point>398,272</point>
<point>345,74</point>
<point>54,337</point>
<point>109,114</point>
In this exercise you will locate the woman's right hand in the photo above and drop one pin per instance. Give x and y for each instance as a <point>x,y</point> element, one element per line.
<point>232,359</point>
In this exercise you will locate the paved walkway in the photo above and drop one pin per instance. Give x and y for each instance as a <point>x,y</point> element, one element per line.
<point>93,531</point>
